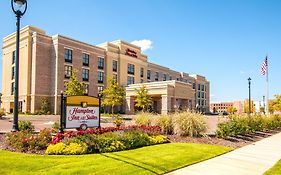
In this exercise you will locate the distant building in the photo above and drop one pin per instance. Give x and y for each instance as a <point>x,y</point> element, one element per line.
<point>220,107</point>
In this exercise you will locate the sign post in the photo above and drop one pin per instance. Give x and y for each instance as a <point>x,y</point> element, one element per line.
<point>62,115</point>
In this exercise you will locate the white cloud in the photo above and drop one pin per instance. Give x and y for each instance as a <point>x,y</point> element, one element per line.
<point>144,44</point>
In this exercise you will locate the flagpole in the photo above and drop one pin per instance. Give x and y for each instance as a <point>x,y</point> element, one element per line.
<point>267,88</point>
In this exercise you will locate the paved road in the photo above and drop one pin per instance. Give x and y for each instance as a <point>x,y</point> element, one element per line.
<point>46,121</point>
<point>252,159</point>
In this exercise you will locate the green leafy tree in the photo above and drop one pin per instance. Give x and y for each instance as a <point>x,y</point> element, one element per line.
<point>143,100</point>
<point>231,109</point>
<point>113,95</point>
<point>74,87</point>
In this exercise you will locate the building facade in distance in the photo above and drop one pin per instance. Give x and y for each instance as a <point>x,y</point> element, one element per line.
<point>46,63</point>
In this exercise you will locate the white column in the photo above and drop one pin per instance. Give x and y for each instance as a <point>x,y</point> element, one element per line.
<point>130,108</point>
<point>166,104</point>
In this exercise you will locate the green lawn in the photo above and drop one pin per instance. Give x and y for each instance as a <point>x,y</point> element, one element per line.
<point>156,159</point>
<point>275,170</point>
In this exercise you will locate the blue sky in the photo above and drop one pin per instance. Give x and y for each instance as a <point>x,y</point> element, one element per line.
<point>224,40</point>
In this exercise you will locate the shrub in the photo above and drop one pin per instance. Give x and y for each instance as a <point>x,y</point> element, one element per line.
<point>107,142</point>
<point>143,118</point>
<point>75,149</point>
<point>158,139</point>
<point>26,126</point>
<point>244,124</point>
<point>18,140</point>
<point>26,141</point>
<point>56,149</point>
<point>189,124</point>
<point>165,123</point>
<point>2,112</point>
<point>55,127</point>
<point>118,121</point>
<point>135,139</point>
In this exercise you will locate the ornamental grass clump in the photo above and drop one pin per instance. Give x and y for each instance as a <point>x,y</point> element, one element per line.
<point>144,118</point>
<point>165,122</point>
<point>189,124</point>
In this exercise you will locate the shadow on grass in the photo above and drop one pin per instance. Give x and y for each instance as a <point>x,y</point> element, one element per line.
<point>121,159</point>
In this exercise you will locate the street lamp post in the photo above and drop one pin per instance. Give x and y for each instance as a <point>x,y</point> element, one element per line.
<point>249,81</point>
<point>19,8</point>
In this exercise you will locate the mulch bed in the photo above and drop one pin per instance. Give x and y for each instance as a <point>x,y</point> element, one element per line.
<point>233,142</point>
<point>209,140</point>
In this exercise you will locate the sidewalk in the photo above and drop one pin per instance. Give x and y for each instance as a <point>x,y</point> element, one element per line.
<point>252,159</point>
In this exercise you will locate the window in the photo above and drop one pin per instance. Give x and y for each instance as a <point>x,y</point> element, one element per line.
<point>100,77</point>
<point>164,77</point>
<point>193,86</point>
<point>85,74</point>
<point>202,102</point>
<point>131,69</point>
<point>12,88</point>
<point>86,89</point>
<point>86,59</point>
<point>156,75</point>
<point>202,87</point>
<point>141,72</point>
<point>148,74</point>
<point>13,72</point>
<point>14,57</point>
<point>142,81</point>
<point>202,94</point>
<point>171,77</point>
<point>68,55</point>
<point>114,66</point>
<point>115,77</point>
<point>131,80</point>
<point>198,102</point>
<point>100,63</point>
<point>198,87</point>
<point>198,94</point>
<point>67,71</point>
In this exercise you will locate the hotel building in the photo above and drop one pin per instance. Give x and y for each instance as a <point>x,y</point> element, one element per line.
<point>46,63</point>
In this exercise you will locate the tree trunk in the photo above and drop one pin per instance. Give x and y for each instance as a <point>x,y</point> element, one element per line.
<point>112,107</point>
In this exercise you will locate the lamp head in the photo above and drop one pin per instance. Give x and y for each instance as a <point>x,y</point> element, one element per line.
<point>19,7</point>
<point>20,3</point>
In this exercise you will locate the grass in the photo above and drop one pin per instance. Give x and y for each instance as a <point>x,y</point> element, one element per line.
<point>156,159</point>
<point>275,170</point>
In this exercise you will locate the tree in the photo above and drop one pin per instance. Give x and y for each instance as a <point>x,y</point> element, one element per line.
<point>231,109</point>
<point>74,87</point>
<point>275,104</point>
<point>143,100</point>
<point>113,95</point>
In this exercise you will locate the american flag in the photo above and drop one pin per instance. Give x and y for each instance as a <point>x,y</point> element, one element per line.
<point>264,66</point>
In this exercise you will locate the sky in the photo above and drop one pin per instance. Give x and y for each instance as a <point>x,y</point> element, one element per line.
<point>224,40</point>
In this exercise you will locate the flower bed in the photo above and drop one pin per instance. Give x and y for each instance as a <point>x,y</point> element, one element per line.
<point>97,140</point>
<point>105,140</point>
<point>148,129</point>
